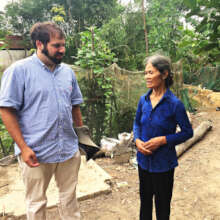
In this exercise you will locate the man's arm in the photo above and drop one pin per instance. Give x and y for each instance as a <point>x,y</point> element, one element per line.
<point>9,118</point>
<point>77,116</point>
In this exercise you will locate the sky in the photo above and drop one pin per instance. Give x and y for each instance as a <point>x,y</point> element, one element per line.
<point>4,2</point>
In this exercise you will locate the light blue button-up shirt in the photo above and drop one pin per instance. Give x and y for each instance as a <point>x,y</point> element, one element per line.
<point>43,100</point>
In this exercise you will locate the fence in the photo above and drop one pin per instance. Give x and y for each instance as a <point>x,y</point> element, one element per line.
<point>128,86</point>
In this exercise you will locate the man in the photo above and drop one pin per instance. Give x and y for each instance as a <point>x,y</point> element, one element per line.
<point>39,102</point>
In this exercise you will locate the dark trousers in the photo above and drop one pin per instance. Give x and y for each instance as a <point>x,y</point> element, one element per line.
<point>159,185</point>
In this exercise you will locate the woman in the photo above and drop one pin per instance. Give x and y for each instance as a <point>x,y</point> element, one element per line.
<point>158,114</point>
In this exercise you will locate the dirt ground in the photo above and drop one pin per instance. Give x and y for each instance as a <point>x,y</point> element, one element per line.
<point>196,193</point>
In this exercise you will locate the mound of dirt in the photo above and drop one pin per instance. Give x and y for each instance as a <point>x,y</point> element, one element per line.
<point>205,97</point>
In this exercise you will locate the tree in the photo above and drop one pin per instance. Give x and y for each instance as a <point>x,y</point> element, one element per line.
<point>126,37</point>
<point>94,56</point>
<point>163,26</point>
<point>23,13</point>
<point>206,22</point>
<point>142,3</point>
<point>145,28</point>
<point>3,26</point>
<point>75,15</point>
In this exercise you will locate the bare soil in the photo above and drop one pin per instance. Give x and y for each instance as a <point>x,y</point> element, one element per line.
<point>196,193</point>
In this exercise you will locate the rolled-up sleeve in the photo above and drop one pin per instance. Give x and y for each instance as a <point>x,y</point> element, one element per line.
<point>12,88</point>
<point>76,96</point>
<point>182,120</point>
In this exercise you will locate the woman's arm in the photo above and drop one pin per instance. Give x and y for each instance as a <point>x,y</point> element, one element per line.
<point>137,132</point>
<point>182,120</point>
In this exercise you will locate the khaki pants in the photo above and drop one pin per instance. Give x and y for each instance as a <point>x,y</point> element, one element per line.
<point>36,181</point>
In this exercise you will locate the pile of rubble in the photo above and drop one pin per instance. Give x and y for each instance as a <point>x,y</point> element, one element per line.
<point>121,149</point>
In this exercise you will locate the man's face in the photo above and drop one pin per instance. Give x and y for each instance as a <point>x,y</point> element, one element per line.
<point>55,49</point>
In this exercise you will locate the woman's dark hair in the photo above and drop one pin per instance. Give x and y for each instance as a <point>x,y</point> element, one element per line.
<point>162,64</point>
<point>44,31</point>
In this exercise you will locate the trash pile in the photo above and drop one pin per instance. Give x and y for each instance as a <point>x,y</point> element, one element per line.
<point>121,149</point>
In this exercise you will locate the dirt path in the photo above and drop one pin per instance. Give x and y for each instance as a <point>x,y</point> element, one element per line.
<point>196,190</point>
<point>197,183</point>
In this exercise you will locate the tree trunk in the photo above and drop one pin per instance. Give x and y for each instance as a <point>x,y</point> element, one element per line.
<point>145,28</point>
<point>199,132</point>
<point>70,15</point>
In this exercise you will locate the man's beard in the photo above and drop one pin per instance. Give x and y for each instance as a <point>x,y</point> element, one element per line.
<point>52,58</point>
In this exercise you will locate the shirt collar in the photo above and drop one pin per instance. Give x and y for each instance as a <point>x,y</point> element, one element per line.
<point>166,94</point>
<point>36,59</point>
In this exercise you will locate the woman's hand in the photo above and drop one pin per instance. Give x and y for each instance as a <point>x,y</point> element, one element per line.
<point>140,146</point>
<point>154,143</point>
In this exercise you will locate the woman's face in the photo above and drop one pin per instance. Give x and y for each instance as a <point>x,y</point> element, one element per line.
<point>154,79</point>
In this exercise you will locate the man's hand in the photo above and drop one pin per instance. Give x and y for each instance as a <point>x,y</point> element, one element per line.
<point>140,146</point>
<point>29,157</point>
<point>154,143</point>
<point>9,118</point>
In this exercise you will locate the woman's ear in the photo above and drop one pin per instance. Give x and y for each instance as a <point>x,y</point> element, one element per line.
<point>165,74</point>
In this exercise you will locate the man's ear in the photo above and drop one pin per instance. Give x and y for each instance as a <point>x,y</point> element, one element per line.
<point>39,45</point>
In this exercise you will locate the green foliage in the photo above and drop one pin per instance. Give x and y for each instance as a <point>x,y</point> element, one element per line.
<point>3,24</point>
<point>72,44</point>
<point>185,99</point>
<point>198,69</point>
<point>126,32</point>
<point>122,27</point>
<point>59,14</point>
<point>6,142</point>
<point>94,52</point>
<point>126,37</point>
<point>115,33</point>
<point>72,15</point>
<point>23,14</point>
<point>209,77</point>
<point>164,26</point>
<point>95,55</point>
<point>3,46</point>
<point>123,120</point>
<point>196,47</point>
<point>135,40</point>
<point>206,16</point>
